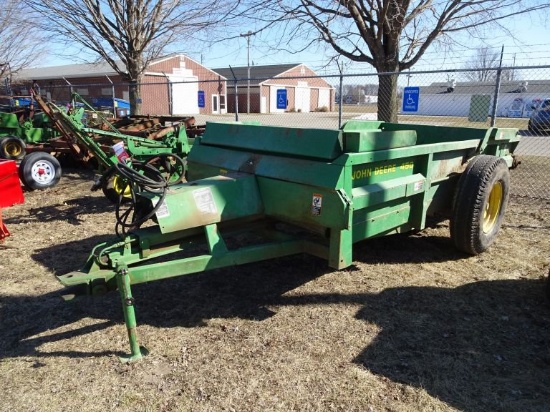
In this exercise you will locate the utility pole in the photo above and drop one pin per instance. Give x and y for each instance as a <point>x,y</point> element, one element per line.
<point>248,35</point>
<point>497,90</point>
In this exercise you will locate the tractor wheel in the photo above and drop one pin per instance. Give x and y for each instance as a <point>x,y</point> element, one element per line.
<point>114,187</point>
<point>12,147</point>
<point>479,204</point>
<point>172,167</point>
<point>39,170</point>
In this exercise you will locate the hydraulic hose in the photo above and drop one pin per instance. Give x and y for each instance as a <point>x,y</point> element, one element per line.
<point>140,177</point>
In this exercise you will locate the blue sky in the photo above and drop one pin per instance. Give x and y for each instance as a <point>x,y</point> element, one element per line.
<point>531,47</point>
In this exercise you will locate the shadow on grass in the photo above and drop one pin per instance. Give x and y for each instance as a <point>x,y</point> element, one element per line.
<point>184,301</point>
<point>478,347</point>
<point>25,317</point>
<point>69,211</point>
<point>484,346</point>
<point>67,257</point>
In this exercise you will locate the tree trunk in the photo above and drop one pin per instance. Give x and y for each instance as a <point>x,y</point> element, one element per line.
<point>387,97</point>
<point>135,97</point>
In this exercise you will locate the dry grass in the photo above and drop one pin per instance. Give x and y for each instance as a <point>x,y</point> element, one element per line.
<point>413,325</point>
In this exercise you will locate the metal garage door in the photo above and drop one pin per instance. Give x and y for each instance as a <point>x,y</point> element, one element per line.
<point>185,95</point>
<point>303,94</point>
<point>324,98</point>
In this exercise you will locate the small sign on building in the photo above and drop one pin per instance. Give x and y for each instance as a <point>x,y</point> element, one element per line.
<point>281,99</point>
<point>202,103</point>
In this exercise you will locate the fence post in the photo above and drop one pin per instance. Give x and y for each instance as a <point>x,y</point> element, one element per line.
<point>340,98</point>
<point>497,90</point>
<point>170,94</point>
<point>236,95</point>
<point>112,95</point>
<point>70,91</point>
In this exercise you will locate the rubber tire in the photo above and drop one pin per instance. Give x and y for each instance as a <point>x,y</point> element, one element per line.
<point>111,192</point>
<point>31,162</point>
<point>483,174</point>
<point>19,144</point>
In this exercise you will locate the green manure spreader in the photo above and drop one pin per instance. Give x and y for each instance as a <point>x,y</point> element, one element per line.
<point>297,190</point>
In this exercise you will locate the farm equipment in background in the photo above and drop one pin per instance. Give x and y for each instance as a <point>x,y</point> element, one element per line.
<point>261,192</point>
<point>40,137</point>
<point>27,135</point>
<point>10,191</point>
<point>155,146</point>
<point>20,126</point>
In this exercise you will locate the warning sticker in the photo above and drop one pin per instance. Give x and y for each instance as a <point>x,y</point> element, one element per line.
<point>162,211</point>
<point>205,201</point>
<point>316,204</point>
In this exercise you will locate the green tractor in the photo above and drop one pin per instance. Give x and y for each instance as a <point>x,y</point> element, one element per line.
<point>20,130</point>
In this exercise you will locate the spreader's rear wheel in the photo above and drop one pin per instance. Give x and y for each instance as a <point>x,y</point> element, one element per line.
<point>479,204</point>
<point>39,170</point>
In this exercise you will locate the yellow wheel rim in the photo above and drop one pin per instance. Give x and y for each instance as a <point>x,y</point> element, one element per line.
<point>13,149</point>
<point>492,208</point>
<point>121,187</point>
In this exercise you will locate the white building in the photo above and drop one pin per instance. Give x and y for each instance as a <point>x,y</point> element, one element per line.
<point>515,98</point>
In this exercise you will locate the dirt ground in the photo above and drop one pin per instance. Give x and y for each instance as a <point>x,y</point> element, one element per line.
<point>412,325</point>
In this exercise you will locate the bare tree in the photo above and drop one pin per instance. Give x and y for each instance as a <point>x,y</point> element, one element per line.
<point>135,32</point>
<point>486,63</point>
<point>390,35</point>
<point>20,41</point>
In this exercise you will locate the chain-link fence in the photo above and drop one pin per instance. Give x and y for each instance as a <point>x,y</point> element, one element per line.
<point>516,97</point>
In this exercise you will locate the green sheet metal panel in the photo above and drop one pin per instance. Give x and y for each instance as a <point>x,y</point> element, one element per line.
<point>321,144</point>
<point>35,135</point>
<point>208,201</point>
<point>402,152</point>
<point>443,164</point>
<point>205,161</point>
<point>363,173</point>
<point>354,125</point>
<point>9,120</point>
<point>385,191</point>
<point>394,216</point>
<point>427,134</point>
<point>304,204</point>
<point>366,141</point>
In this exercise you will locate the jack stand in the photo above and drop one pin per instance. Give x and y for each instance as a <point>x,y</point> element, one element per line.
<point>123,282</point>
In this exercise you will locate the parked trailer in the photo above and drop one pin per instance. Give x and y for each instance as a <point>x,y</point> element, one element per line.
<point>314,191</point>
